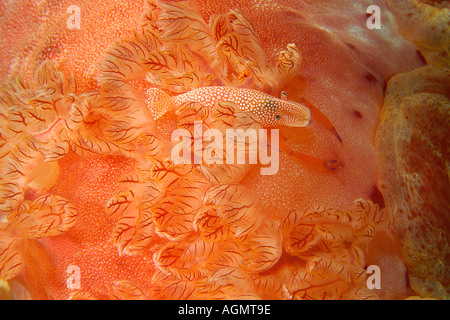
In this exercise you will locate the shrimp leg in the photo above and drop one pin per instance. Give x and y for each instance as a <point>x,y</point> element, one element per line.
<point>329,164</point>
<point>321,118</point>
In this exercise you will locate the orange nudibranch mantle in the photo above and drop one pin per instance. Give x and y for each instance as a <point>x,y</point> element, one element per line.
<point>140,226</point>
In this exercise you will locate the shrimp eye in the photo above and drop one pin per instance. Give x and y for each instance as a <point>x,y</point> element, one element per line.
<point>277,117</point>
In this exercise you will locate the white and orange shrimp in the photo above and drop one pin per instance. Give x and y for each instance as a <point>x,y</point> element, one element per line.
<point>271,112</point>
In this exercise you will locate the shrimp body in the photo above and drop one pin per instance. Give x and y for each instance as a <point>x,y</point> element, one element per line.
<point>270,111</point>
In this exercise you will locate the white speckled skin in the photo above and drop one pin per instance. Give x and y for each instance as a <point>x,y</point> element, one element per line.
<point>270,111</point>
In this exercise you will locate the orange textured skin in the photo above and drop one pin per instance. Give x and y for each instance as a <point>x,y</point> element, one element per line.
<point>35,31</point>
<point>343,73</point>
<point>88,244</point>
